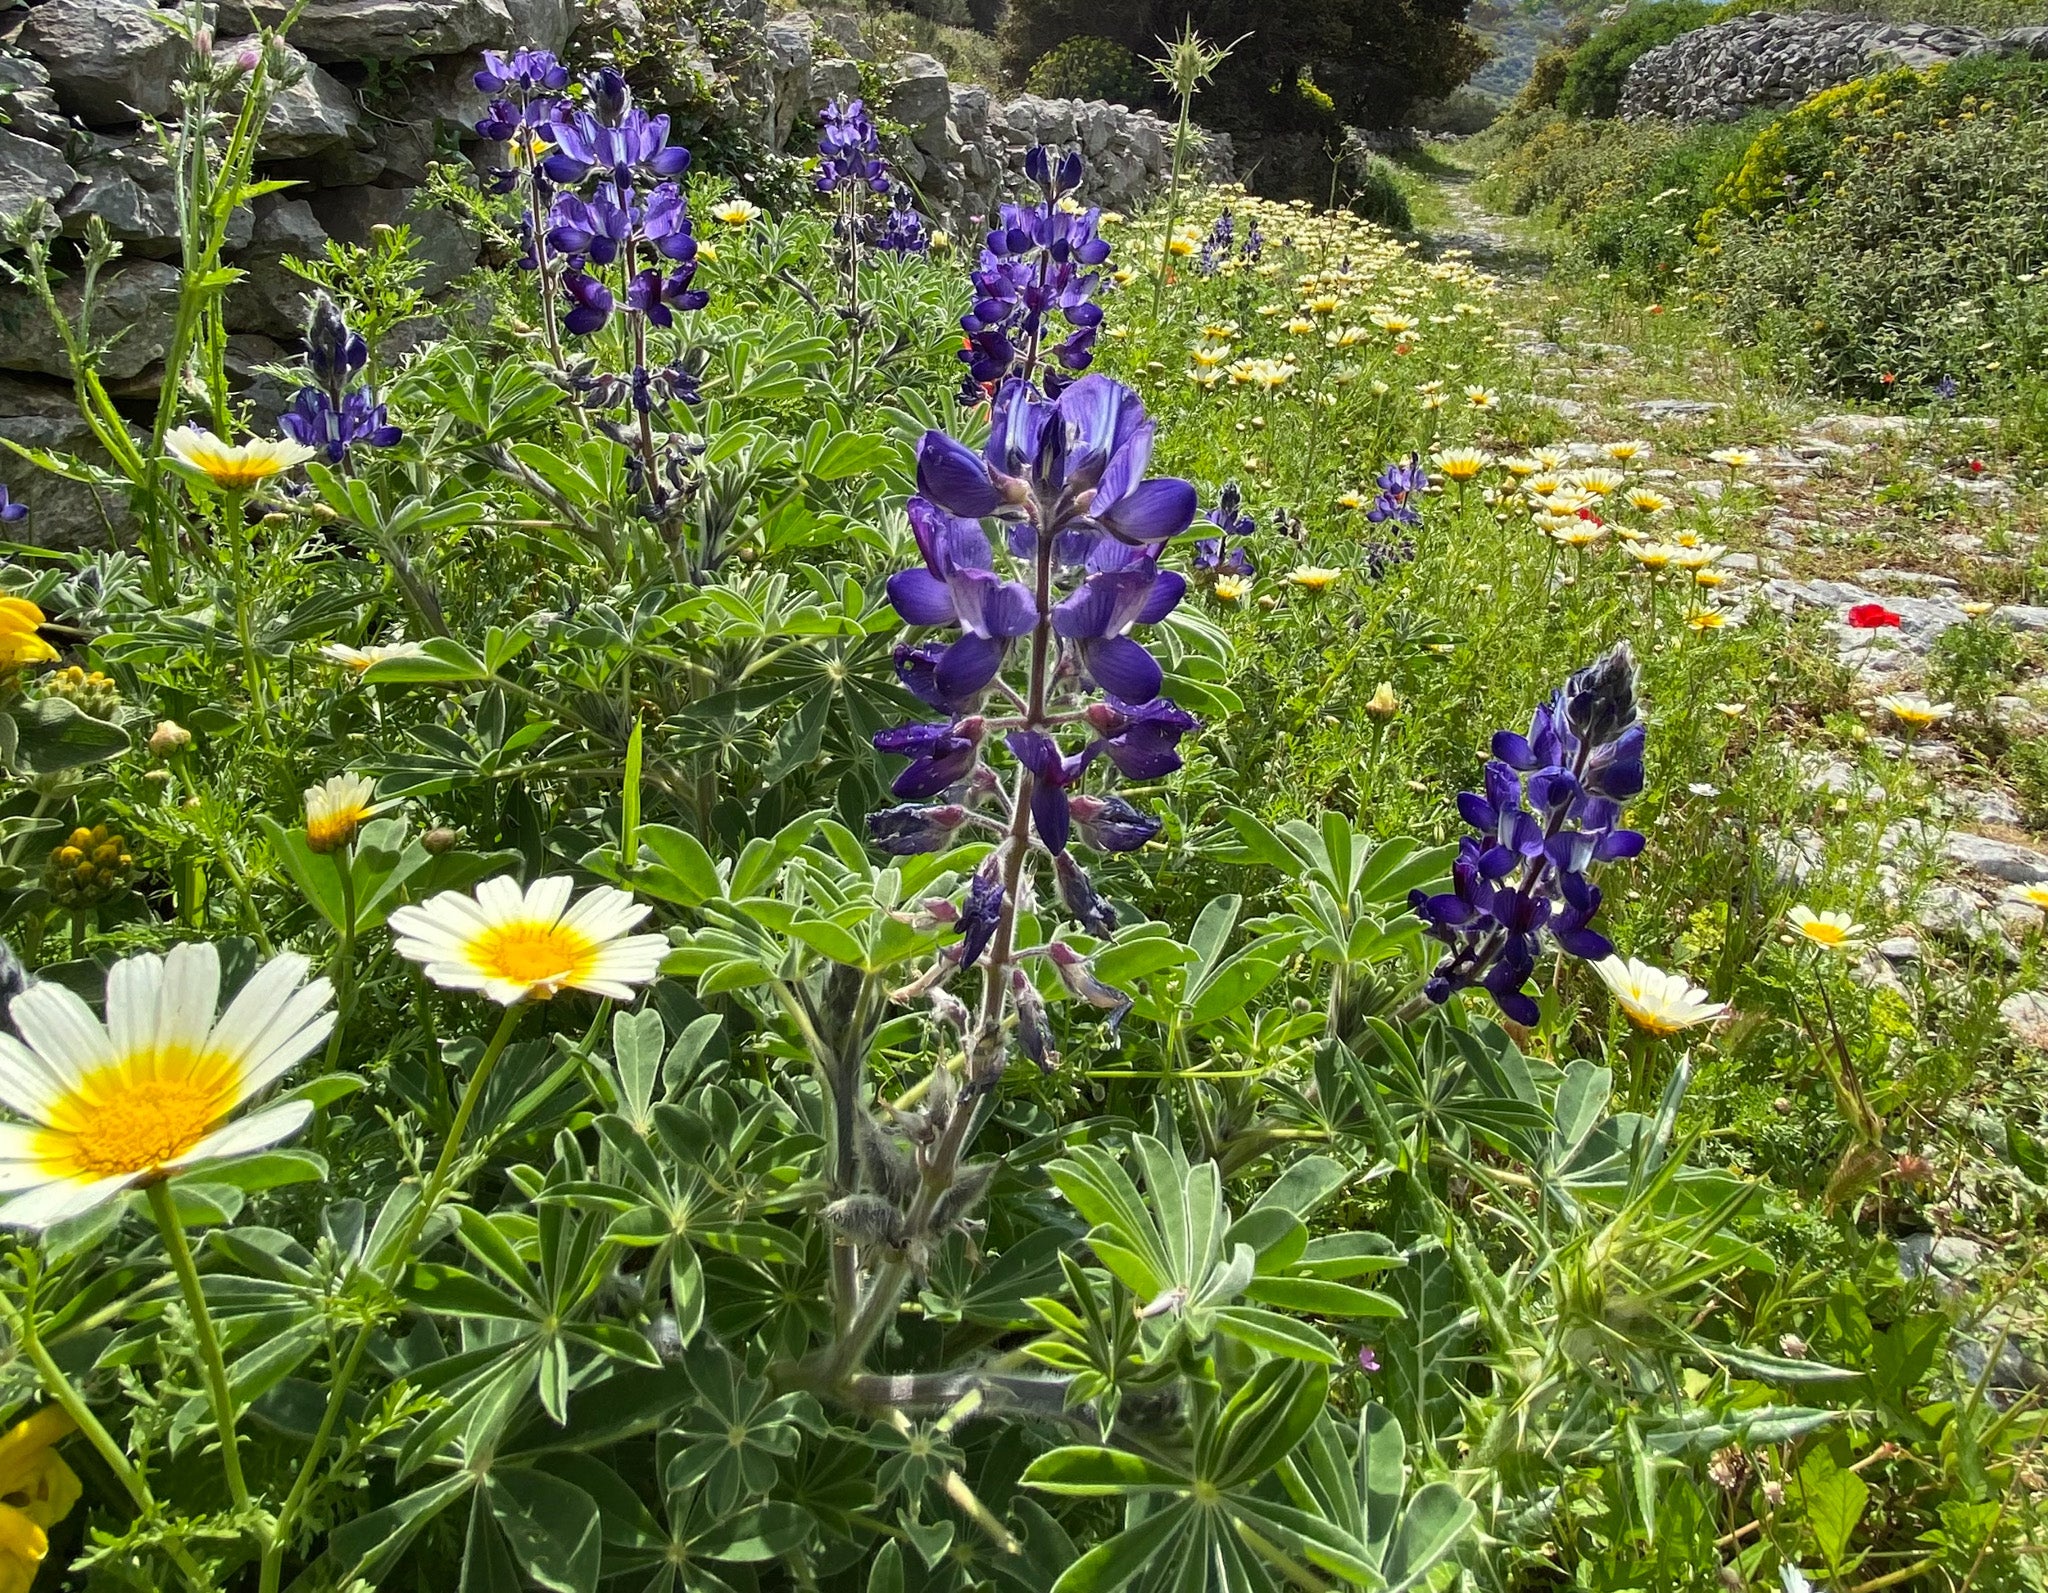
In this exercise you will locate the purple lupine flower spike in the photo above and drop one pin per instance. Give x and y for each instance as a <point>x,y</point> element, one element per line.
<point>1548,814</point>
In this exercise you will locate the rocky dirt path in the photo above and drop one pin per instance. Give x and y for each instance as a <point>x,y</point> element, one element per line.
<point>1842,519</point>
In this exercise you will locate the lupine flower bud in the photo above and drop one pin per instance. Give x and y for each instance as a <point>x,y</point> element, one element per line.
<point>913,828</point>
<point>1078,896</point>
<point>1077,973</point>
<point>1034,1029</point>
<point>14,978</point>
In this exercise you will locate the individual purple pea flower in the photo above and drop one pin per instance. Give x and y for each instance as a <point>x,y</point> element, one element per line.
<point>1097,619</point>
<point>590,302</point>
<point>10,511</point>
<point>958,586</point>
<point>1218,555</point>
<point>1077,973</point>
<point>615,138</point>
<point>981,913</point>
<point>912,828</point>
<point>941,754</point>
<point>1053,774</point>
<point>1141,738</point>
<point>593,229</point>
<point>1112,824</point>
<point>665,223</point>
<point>1079,897</point>
<point>1368,1362</point>
<point>658,295</point>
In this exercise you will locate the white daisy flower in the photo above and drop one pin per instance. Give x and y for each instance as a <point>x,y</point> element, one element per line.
<point>529,945</point>
<point>336,809</point>
<point>1660,1002</point>
<point>359,659</point>
<point>152,1089</point>
<point>1835,931</point>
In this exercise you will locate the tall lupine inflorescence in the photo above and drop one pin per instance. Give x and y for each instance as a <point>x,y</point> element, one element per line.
<point>1056,682</point>
<point>339,409</point>
<point>1039,261</point>
<point>526,89</point>
<point>1550,813</point>
<point>852,174</point>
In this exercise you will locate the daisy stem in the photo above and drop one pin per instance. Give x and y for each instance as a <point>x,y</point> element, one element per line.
<point>164,1208</point>
<point>471,1094</point>
<point>344,954</point>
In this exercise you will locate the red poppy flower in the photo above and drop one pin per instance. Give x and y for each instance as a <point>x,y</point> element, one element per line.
<point>1888,378</point>
<point>1872,617</point>
<point>1976,467</point>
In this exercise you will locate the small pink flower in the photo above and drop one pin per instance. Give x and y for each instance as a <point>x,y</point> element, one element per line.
<point>1367,1361</point>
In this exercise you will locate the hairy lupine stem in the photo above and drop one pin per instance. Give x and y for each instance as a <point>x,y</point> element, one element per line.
<point>537,220</point>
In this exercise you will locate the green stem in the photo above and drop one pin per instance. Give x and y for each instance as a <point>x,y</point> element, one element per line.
<point>344,954</point>
<point>471,1094</point>
<point>165,1210</point>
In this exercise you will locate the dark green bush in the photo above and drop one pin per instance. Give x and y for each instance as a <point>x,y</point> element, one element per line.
<point>1592,78</point>
<point>1370,61</point>
<point>1090,68</point>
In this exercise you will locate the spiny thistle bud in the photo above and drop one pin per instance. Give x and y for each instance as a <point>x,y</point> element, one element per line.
<point>92,866</point>
<point>169,739</point>
<point>91,693</point>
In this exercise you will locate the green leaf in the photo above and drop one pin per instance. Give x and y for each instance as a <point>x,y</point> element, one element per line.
<point>315,875</point>
<point>368,1546</point>
<point>1088,1469</point>
<point>1321,1297</point>
<point>686,860</point>
<point>1112,1563</point>
<point>552,1526</point>
<point>1276,1334</point>
<point>52,734</point>
<point>1437,1519</point>
<point>444,661</point>
<point>269,1170</point>
<point>449,1291</point>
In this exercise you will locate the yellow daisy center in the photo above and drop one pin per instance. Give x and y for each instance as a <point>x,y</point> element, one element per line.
<point>539,954</point>
<point>135,1114</point>
<point>1824,934</point>
<point>335,827</point>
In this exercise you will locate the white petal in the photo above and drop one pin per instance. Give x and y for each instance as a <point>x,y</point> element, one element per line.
<point>500,899</point>
<point>548,896</point>
<point>287,1046</point>
<point>53,1202</point>
<point>605,913</point>
<point>191,993</point>
<point>134,1002</point>
<point>243,1027</point>
<point>28,1084</point>
<point>61,1029</point>
<point>258,1131</point>
<point>20,1167</point>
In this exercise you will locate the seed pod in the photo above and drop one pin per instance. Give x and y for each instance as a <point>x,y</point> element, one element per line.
<point>866,1219</point>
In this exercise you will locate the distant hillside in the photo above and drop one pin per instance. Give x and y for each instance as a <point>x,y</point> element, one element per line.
<point>1517,32</point>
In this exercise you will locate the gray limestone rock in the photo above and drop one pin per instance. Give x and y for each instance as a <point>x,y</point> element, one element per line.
<point>132,312</point>
<point>108,60</point>
<point>30,172</point>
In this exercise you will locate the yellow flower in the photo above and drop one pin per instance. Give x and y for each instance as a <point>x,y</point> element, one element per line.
<point>1652,555</point>
<point>150,1090</point>
<point>1835,931</point>
<point>1389,321</point>
<point>1351,500</point>
<point>1432,400</point>
<point>1548,458</point>
<point>2034,896</point>
<point>1230,588</point>
<point>1623,452</point>
<point>337,809</point>
<point>1181,245</point>
<point>1577,533</point>
<point>1520,468</point>
<point>1202,378</point>
<point>530,945</point>
<point>1978,610</point>
<point>1733,458</point>
<point>1383,704</point>
<point>1481,397</point>
<point>20,620</point>
<point>1220,331</point>
<point>1696,556</point>
<point>1346,337</point>
<point>1662,1003</point>
<point>1707,619</point>
<point>38,1490</point>
<point>941,240</point>
<point>736,212</point>
<point>1462,464</point>
<point>1731,710</point>
<point>1599,482</point>
<point>1323,304</point>
<point>1916,712</point>
<point>239,466</point>
<point>1314,577</point>
<point>1206,355</point>
<point>1301,326</point>
<point>1648,502</point>
<point>1709,578</point>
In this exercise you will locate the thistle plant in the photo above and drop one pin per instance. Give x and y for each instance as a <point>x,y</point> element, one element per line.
<point>1038,259</point>
<point>1190,61</point>
<point>1549,814</point>
<point>1058,684</point>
